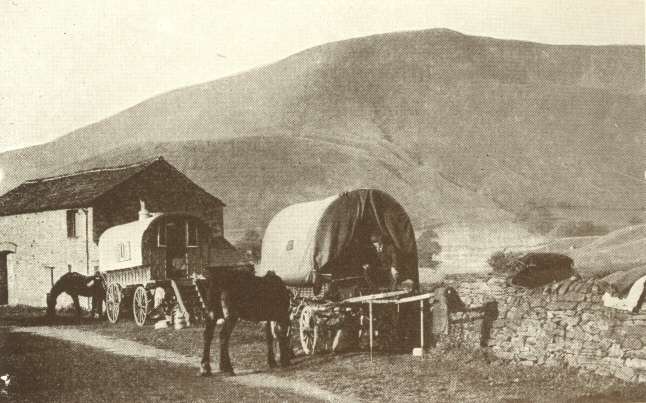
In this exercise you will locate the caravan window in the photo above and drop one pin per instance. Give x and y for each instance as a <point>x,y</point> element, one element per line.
<point>124,251</point>
<point>192,233</point>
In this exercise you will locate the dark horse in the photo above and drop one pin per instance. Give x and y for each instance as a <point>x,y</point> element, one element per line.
<point>75,285</point>
<point>236,294</point>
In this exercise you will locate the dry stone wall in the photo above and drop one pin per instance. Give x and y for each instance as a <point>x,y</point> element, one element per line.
<point>562,324</point>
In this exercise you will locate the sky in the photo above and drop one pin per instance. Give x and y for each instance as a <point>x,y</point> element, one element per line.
<point>68,63</point>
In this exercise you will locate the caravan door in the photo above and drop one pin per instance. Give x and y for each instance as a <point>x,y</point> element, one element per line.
<point>176,266</point>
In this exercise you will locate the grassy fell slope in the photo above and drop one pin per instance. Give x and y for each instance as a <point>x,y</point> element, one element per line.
<point>453,125</point>
<point>619,250</point>
<point>256,178</point>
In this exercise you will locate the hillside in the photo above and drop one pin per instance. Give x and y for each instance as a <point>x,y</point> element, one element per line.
<point>598,256</point>
<point>256,177</point>
<point>620,250</point>
<point>458,127</point>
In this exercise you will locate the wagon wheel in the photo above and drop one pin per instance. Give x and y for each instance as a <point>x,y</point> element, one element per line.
<point>140,302</point>
<point>308,330</point>
<point>113,299</point>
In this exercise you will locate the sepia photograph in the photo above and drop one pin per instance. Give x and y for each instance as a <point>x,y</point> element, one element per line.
<point>323,201</point>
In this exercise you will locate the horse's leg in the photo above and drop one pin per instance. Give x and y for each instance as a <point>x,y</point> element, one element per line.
<point>271,359</point>
<point>209,327</point>
<point>75,298</point>
<point>99,304</point>
<point>225,335</point>
<point>94,307</point>
<point>286,352</point>
<point>56,290</point>
<point>51,303</point>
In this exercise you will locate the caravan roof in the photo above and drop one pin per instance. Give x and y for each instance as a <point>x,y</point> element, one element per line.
<point>131,237</point>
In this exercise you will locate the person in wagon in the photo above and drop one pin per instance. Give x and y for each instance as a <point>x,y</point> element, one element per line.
<point>380,264</point>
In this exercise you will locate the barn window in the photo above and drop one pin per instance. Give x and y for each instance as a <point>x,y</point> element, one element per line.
<point>161,233</point>
<point>192,234</point>
<point>71,224</point>
<point>124,251</point>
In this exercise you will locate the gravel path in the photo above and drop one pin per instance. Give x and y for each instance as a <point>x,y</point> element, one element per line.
<point>133,349</point>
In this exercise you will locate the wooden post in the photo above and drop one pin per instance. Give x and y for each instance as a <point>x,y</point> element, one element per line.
<point>370,314</point>
<point>421,324</point>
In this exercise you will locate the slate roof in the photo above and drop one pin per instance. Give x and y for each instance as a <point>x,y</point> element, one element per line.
<point>74,190</point>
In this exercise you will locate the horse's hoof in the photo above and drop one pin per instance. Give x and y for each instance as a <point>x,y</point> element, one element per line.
<point>227,371</point>
<point>205,370</point>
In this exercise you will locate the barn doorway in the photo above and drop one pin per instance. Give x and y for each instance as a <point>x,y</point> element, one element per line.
<point>5,249</point>
<point>4,282</point>
<point>176,250</point>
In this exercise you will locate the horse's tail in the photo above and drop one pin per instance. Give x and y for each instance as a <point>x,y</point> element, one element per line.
<point>57,289</point>
<point>104,282</point>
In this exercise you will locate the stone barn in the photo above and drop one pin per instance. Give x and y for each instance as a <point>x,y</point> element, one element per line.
<point>50,226</point>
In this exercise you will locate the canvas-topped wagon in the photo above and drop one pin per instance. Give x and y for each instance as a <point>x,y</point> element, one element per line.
<point>315,247</point>
<point>161,250</point>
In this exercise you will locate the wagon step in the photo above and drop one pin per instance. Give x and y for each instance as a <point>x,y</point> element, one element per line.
<point>192,297</point>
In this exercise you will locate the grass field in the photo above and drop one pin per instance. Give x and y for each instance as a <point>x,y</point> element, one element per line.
<point>455,375</point>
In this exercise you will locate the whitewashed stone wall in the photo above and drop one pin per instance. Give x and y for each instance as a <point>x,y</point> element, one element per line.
<point>41,240</point>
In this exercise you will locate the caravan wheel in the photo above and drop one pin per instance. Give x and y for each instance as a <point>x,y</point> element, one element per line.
<point>113,299</point>
<point>309,331</point>
<point>140,302</point>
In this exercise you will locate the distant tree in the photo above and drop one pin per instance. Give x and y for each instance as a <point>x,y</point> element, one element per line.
<point>427,247</point>
<point>432,248</point>
<point>536,216</point>
<point>251,243</point>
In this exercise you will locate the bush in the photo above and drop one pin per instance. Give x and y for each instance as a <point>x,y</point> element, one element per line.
<point>635,220</point>
<point>506,262</point>
<point>251,242</point>
<point>425,254</point>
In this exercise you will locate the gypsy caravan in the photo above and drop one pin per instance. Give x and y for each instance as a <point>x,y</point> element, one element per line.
<point>315,247</point>
<point>315,243</point>
<point>160,250</point>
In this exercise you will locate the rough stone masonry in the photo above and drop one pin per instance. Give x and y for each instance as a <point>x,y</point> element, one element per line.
<point>564,323</point>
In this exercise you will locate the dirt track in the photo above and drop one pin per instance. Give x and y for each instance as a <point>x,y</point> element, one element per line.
<point>133,349</point>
